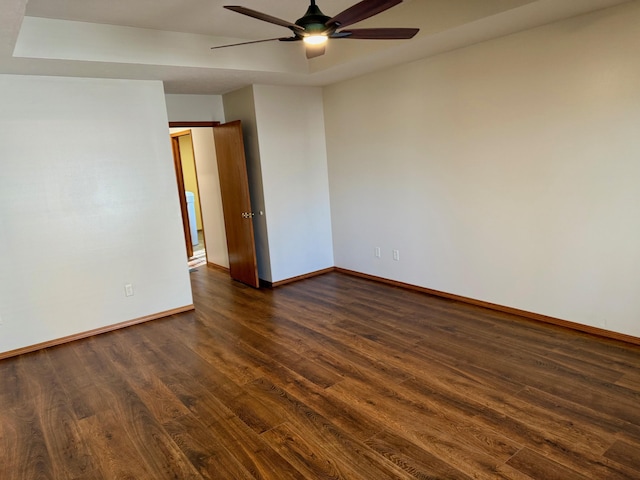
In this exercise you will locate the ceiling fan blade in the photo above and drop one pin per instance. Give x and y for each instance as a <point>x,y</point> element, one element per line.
<point>264,17</point>
<point>314,51</point>
<point>378,33</point>
<point>286,39</point>
<point>360,11</point>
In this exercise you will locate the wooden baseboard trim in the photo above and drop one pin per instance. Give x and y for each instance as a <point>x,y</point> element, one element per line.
<point>91,333</point>
<point>600,332</point>
<point>298,278</point>
<point>215,266</point>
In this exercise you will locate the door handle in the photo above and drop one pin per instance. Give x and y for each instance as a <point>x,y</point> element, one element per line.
<point>248,214</point>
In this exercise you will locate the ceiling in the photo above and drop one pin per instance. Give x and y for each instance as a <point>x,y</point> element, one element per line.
<point>170,40</point>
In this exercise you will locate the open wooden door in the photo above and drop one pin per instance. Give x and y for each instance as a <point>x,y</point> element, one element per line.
<point>236,203</point>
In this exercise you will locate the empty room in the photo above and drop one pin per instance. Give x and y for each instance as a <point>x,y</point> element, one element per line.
<point>421,227</point>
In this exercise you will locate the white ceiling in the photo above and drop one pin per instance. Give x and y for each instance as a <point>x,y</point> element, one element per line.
<point>170,40</point>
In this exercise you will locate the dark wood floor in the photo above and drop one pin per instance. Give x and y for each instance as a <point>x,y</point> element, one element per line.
<point>331,377</point>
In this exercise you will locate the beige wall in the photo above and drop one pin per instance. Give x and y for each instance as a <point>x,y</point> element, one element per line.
<point>211,198</point>
<point>189,173</point>
<point>81,218</point>
<point>286,158</point>
<point>239,105</point>
<point>194,108</point>
<point>506,172</point>
<point>293,160</point>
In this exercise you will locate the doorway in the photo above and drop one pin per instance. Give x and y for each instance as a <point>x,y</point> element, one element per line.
<point>209,194</point>
<point>212,143</point>
<point>189,193</point>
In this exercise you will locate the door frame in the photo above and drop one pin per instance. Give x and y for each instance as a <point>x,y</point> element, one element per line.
<point>177,164</point>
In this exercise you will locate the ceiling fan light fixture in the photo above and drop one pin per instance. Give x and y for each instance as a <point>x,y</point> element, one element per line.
<point>315,28</point>
<point>315,39</point>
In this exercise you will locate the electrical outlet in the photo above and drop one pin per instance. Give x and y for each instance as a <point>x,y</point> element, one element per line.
<point>396,255</point>
<point>128,290</point>
<point>376,252</point>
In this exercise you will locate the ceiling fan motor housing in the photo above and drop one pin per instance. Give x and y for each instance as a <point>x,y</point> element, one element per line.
<point>314,22</point>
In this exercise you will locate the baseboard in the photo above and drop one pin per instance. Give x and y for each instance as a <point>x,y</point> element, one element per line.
<point>296,279</point>
<point>91,333</point>
<point>600,332</point>
<point>215,266</point>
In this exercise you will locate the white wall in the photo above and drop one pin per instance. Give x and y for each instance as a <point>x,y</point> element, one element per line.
<point>210,196</point>
<point>293,158</point>
<point>286,158</point>
<point>506,172</point>
<point>194,108</point>
<point>50,38</point>
<point>88,203</point>
<point>239,105</point>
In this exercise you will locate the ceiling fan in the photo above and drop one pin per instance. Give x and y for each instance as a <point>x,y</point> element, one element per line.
<point>315,28</point>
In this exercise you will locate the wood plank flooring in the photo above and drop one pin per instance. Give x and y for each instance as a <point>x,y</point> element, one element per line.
<point>333,377</point>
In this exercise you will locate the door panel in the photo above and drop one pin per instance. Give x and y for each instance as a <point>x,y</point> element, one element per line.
<point>236,203</point>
